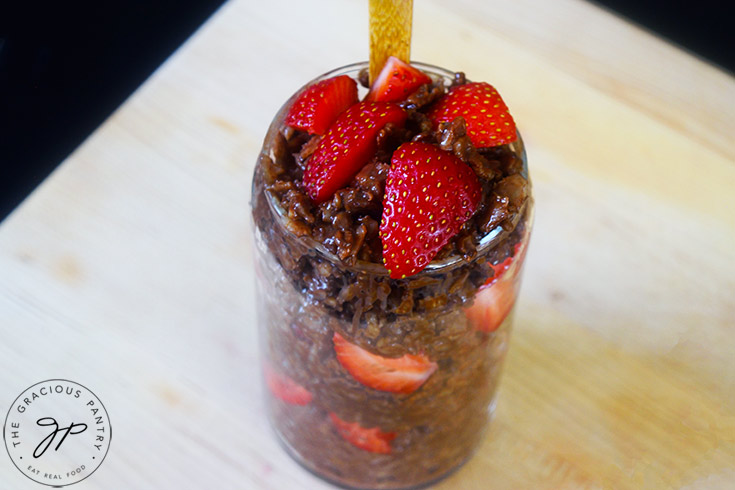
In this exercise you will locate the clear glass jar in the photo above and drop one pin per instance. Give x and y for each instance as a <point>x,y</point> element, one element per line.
<point>455,315</point>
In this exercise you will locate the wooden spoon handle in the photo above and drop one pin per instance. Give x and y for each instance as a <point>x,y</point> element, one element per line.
<point>390,32</point>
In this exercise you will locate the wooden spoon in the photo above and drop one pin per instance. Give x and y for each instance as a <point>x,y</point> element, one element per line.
<point>390,32</point>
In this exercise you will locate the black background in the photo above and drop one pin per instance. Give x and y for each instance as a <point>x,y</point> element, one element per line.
<point>66,66</point>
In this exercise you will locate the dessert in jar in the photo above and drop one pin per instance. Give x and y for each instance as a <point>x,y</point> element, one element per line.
<point>390,224</point>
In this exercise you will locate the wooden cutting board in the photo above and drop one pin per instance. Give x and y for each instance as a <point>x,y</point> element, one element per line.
<point>129,269</point>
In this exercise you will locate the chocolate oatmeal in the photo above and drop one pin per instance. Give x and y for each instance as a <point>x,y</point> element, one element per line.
<point>377,381</point>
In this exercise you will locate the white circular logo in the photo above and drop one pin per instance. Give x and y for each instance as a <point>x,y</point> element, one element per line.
<point>57,432</point>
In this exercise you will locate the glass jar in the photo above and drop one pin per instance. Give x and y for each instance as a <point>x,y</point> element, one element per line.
<point>325,325</point>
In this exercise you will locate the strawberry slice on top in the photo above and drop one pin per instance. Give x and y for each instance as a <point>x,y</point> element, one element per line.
<point>403,374</point>
<point>318,105</point>
<point>429,194</point>
<point>396,81</point>
<point>373,440</point>
<point>347,146</point>
<point>486,116</point>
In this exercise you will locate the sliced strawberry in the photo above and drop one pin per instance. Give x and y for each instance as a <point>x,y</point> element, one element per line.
<point>501,267</point>
<point>373,440</point>
<point>498,295</point>
<point>396,81</point>
<point>319,105</point>
<point>492,305</point>
<point>429,195</point>
<point>285,388</point>
<point>404,374</point>
<point>347,146</point>
<point>488,121</point>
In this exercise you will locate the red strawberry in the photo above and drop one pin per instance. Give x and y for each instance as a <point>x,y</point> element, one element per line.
<point>503,266</point>
<point>284,388</point>
<point>498,295</point>
<point>500,269</point>
<point>429,195</point>
<point>488,121</point>
<point>347,146</point>
<point>396,81</point>
<point>373,440</point>
<point>404,374</point>
<point>492,304</point>
<point>319,105</point>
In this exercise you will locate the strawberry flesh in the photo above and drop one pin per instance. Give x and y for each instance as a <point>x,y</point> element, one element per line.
<point>491,306</point>
<point>429,195</point>
<point>501,267</point>
<point>347,146</point>
<point>498,295</point>
<point>373,440</point>
<point>318,105</point>
<point>396,81</point>
<point>285,388</point>
<point>486,116</point>
<point>404,374</point>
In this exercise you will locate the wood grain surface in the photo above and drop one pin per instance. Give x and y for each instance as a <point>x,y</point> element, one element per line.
<point>129,269</point>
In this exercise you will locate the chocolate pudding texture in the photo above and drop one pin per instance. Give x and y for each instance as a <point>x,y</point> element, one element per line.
<point>320,272</point>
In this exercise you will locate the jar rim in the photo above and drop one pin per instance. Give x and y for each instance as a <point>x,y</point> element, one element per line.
<point>487,242</point>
